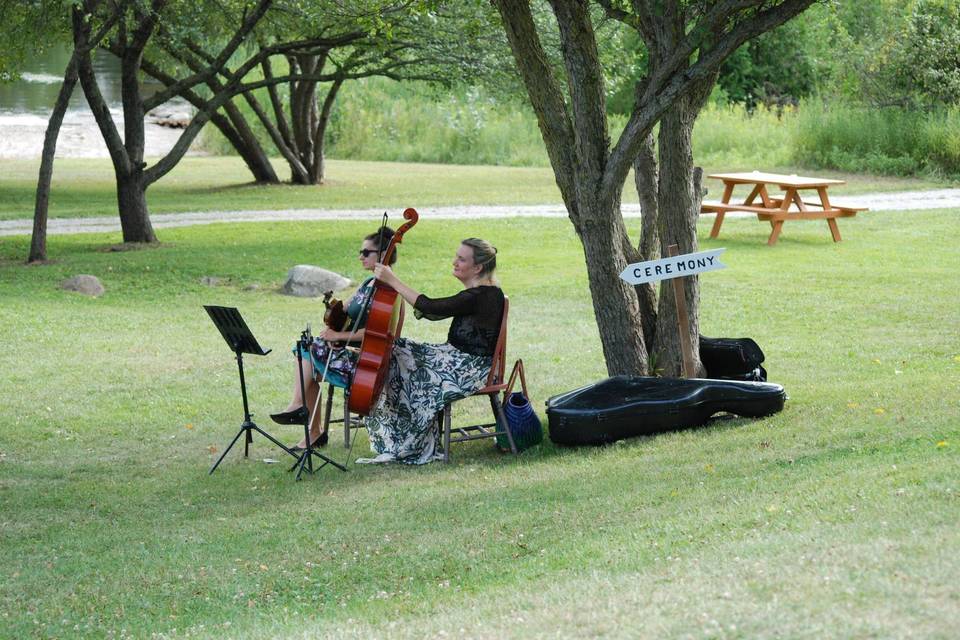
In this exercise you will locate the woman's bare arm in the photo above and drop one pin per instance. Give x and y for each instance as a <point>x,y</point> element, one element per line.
<point>386,275</point>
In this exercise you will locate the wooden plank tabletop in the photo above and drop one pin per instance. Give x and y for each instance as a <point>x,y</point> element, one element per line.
<point>758,177</point>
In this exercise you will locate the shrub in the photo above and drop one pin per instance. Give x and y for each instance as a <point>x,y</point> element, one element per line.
<point>891,141</point>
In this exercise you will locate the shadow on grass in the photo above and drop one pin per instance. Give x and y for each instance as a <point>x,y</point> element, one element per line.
<point>241,187</point>
<point>744,239</point>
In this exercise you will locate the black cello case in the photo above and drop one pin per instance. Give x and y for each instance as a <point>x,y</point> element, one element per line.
<point>732,359</point>
<point>627,406</point>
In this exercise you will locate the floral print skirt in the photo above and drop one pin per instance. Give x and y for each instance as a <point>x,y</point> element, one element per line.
<point>422,378</point>
<point>338,362</point>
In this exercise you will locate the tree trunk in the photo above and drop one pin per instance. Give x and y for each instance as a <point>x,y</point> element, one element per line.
<point>685,47</point>
<point>679,198</point>
<point>38,242</point>
<point>276,133</point>
<point>319,158</point>
<point>319,138</point>
<point>646,179</point>
<point>252,153</point>
<point>132,203</point>
<point>126,152</point>
<point>305,121</point>
<point>131,187</point>
<point>678,227</point>
<point>250,149</point>
<point>303,115</point>
<point>615,306</point>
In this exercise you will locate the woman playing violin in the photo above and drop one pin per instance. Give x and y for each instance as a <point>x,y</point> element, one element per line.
<point>424,377</point>
<point>328,356</point>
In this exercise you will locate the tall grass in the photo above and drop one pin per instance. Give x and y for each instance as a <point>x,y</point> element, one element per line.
<point>729,135</point>
<point>378,119</point>
<point>889,141</point>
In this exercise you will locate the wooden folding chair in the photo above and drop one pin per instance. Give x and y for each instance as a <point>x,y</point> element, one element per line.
<point>494,390</point>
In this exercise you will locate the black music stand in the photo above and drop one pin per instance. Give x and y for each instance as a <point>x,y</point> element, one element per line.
<point>305,460</point>
<point>240,340</point>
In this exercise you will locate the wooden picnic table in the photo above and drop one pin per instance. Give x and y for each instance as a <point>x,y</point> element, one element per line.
<point>779,208</point>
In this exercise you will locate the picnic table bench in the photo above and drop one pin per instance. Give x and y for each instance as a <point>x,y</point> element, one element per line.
<point>777,209</point>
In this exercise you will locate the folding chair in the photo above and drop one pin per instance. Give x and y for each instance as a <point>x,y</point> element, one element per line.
<point>350,421</point>
<point>494,389</point>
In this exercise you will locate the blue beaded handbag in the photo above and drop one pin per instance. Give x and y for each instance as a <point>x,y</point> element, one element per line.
<point>524,423</point>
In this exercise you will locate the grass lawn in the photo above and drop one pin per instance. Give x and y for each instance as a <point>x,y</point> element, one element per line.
<point>85,187</point>
<point>836,518</point>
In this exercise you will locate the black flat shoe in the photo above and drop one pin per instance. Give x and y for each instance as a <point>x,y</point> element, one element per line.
<point>321,441</point>
<point>297,416</point>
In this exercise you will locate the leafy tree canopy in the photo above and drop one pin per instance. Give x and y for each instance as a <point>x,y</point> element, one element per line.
<point>27,28</point>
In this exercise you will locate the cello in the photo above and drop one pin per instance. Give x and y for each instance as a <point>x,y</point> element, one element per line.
<point>377,345</point>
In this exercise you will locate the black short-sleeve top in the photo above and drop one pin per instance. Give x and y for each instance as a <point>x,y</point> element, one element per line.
<point>476,314</point>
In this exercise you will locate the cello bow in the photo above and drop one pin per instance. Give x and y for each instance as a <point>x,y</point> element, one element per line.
<point>379,333</point>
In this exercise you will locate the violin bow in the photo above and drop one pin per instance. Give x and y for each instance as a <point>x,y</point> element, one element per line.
<point>380,248</point>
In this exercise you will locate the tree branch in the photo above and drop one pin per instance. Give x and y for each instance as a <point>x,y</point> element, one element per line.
<point>585,85</point>
<point>279,141</point>
<point>217,63</point>
<point>545,95</point>
<point>146,23</point>
<point>275,101</point>
<point>642,119</point>
<point>88,80</point>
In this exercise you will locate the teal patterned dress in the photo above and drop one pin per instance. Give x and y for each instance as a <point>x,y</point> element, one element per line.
<point>422,378</point>
<point>337,362</point>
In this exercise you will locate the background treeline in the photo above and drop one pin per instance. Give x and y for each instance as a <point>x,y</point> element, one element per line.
<point>857,86</point>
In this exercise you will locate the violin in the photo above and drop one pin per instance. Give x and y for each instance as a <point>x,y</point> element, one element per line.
<point>381,330</point>
<point>334,315</point>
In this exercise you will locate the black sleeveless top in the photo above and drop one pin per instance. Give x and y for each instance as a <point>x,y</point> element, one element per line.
<point>476,314</point>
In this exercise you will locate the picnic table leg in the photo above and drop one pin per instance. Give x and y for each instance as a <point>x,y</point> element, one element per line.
<point>831,222</point>
<point>777,225</point>
<point>727,192</point>
<point>788,197</point>
<point>718,221</point>
<point>764,196</point>
<point>758,190</point>
<point>775,232</point>
<point>715,231</point>
<point>834,229</point>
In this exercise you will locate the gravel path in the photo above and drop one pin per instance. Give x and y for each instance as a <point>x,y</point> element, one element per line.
<point>904,200</point>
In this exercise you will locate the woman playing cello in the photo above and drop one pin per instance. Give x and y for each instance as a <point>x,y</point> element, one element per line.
<point>424,377</point>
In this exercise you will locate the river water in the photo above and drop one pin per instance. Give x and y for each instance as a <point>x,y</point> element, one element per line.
<point>25,107</point>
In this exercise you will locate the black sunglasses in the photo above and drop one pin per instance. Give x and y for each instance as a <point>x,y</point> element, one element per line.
<point>366,253</point>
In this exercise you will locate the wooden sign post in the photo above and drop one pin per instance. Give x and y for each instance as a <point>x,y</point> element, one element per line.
<point>676,266</point>
<point>683,321</point>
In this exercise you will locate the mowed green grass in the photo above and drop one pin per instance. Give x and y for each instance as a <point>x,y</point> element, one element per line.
<point>86,188</point>
<point>835,518</point>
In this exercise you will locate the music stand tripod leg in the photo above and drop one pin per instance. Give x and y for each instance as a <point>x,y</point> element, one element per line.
<point>248,426</point>
<point>227,450</point>
<point>241,340</point>
<point>306,458</point>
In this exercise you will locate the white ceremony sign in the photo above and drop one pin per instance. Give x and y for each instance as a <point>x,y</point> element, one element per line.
<point>687,264</point>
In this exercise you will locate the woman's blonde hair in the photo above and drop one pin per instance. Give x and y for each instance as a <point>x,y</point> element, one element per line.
<point>484,254</point>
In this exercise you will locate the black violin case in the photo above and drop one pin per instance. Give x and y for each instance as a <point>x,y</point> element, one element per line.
<point>627,406</point>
